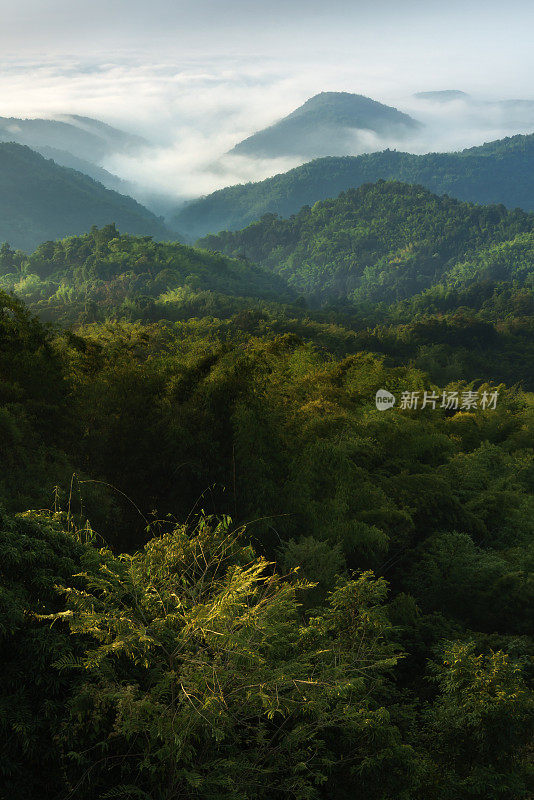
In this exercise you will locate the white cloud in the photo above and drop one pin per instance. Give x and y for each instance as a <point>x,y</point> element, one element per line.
<point>193,110</point>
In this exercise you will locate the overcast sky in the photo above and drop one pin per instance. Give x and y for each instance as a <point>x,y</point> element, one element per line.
<point>196,76</point>
<point>479,41</point>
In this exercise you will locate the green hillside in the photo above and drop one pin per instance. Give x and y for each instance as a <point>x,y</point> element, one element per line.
<point>106,270</point>
<point>242,578</point>
<point>40,200</point>
<point>157,640</point>
<point>386,242</point>
<point>497,172</point>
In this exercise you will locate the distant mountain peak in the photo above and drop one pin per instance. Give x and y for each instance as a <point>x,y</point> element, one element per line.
<point>329,123</point>
<point>81,137</point>
<point>442,95</point>
<point>115,137</point>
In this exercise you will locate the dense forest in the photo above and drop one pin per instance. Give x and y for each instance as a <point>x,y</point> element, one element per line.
<point>387,242</point>
<point>226,574</point>
<point>41,200</point>
<point>496,172</point>
<point>461,330</point>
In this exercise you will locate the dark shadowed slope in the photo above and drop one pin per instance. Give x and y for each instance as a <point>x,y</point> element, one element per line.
<point>40,200</point>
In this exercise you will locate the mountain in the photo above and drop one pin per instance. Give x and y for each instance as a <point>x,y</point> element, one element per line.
<point>74,141</point>
<point>83,137</point>
<point>510,116</point>
<point>442,95</point>
<point>66,159</point>
<point>114,138</point>
<point>111,272</point>
<point>330,123</point>
<point>40,200</point>
<point>512,106</point>
<point>386,242</point>
<point>497,172</point>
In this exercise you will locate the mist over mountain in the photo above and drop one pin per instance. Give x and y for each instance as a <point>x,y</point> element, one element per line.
<point>442,95</point>
<point>40,200</point>
<point>496,172</point>
<point>518,111</point>
<point>190,114</point>
<point>77,142</point>
<point>330,123</point>
<point>66,159</point>
<point>83,137</point>
<point>114,138</point>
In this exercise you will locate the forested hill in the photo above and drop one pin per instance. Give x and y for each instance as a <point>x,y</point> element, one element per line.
<point>327,124</point>
<point>146,657</point>
<point>107,269</point>
<point>241,577</point>
<point>40,200</point>
<point>497,172</point>
<point>385,242</point>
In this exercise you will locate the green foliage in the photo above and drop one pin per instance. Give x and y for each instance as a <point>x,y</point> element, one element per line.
<point>40,200</point>
<point>483,588</point>
<point>202,682</point>
<point>386,242</point>
<point>35,555</point>
<point>33,407</point>
<point>482,725</point>
<point>104,270</point>
<point>316,561</point>
<point>497,172</point>
<point>199,664</point>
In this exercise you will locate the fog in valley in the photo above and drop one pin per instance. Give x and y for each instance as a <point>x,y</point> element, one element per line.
<point>194,80</point>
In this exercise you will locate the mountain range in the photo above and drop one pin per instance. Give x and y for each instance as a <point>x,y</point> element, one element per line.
<point>386,242</point>
<point>54,196</point>
<point>74,141</point>
<point>497,172</point>
<point>84,137</point>
<point>387,249</point>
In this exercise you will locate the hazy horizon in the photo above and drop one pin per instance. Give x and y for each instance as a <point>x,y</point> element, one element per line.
<point>196,78</point>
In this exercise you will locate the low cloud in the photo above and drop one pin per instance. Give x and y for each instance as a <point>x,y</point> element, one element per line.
<point>194,111</point>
